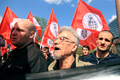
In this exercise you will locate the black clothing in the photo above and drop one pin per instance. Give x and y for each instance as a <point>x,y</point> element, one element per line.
<point>81,57</point>
<point>56,67</point>
<point>49,60</point>
<point>93,59</point>
<point>26,60</point>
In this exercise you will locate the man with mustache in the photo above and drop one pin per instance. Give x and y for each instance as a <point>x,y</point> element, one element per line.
<point>103,53</point>
<point>65,47</point>
<point>26,58</point>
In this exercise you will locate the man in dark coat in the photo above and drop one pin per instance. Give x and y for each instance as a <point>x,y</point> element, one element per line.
<point>103,54</point>
<point>26,58</point>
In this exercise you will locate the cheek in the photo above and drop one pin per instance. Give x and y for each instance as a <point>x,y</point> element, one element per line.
<point>63,48</point>
<point>24,36</point>
<point>109,45</point>
<point>66,49</point>
<point>44,54</point>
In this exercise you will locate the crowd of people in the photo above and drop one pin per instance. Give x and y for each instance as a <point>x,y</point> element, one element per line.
<point>28,57</point>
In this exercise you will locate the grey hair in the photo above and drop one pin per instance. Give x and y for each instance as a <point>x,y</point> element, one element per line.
<point>71,30</point>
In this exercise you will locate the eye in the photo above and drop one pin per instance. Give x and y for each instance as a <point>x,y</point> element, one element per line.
<point>61,38</point>
<point>12,29</point>
<point>19,29</point>
<point>100,38</point>
<point>107,40</point>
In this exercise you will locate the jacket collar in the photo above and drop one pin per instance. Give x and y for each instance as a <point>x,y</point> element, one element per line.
<point>24,50</point>
<point>109,56</point>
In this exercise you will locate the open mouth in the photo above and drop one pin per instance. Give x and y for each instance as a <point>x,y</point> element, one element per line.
<point>56,48</point>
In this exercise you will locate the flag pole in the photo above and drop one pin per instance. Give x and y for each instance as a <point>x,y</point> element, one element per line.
<point>118,13</point>
<point>41,42</point>
<point>116,45</point>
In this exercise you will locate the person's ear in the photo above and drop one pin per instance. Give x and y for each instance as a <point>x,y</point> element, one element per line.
<point>74,48</point>
<point>112,44</point>
<point>32,34</point>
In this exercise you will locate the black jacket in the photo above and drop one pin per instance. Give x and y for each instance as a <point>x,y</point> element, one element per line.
<point>110,58</point>
<point>26,60</point>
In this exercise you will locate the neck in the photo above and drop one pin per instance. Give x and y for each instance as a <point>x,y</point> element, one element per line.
<point>100,54</point>
<point>65,63</point>
<point>23,45</point>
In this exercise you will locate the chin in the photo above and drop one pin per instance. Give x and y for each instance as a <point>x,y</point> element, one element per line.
<point>13,43</point>
<point>56,57</point>
<point>104,50</point>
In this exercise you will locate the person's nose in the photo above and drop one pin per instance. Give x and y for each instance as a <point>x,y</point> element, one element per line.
<point>103,41</point>
<point>57,41</point>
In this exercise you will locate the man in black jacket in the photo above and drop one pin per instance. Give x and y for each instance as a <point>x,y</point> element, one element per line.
<point>103,54</point>
<point>26,58</point>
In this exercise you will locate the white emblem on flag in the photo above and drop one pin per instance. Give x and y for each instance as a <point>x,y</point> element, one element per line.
<point>54,28</point>
<point>49,41</point>
<point>13,22</point>
<point>92,21</point>
<point>84,34</point>
<point>35,22</point>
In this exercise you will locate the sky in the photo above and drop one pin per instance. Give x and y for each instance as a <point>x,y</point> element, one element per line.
<point>63,9</point>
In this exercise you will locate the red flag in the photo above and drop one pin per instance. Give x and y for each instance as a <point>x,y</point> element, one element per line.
<point>51,30</point>
<point>88,21</point>
<point>6,25</point>
<point>38,28</point>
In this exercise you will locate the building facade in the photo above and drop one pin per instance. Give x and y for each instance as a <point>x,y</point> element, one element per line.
<point>113,27</point>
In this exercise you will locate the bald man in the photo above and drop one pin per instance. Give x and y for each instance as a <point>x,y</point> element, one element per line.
<point>26,58</point>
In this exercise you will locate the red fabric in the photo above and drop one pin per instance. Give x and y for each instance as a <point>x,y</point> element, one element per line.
<point>5,28</point>
<point>91,19</point>
<point>38,28</point>
<point>4,49</point>
<point>51,30</point>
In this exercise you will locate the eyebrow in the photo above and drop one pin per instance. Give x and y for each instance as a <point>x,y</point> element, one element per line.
<point>105,39</point>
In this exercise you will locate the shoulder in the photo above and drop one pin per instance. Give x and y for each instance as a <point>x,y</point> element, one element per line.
<point>80,63</point>
<point>89,57</point>
<point>115,56</point>
<point>34,53</point>
<point>32,50</point>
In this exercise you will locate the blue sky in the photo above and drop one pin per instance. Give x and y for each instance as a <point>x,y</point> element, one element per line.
<point>63,9</point>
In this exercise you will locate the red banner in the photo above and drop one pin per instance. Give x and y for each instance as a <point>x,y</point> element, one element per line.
<point>88,22</point>
<point>51,31</point>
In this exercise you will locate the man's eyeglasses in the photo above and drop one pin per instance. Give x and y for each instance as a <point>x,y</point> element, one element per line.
<point>61,39</point>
